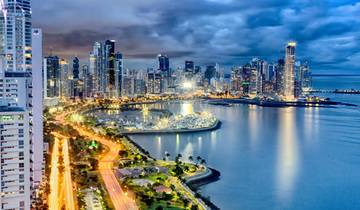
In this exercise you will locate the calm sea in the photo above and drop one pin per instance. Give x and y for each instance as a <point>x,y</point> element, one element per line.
<point>276,158</point>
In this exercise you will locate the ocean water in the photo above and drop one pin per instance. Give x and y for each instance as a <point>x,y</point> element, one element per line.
<point>276,158</point>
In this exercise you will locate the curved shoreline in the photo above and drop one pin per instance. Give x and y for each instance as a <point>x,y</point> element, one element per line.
<point>196,181</point>
<point>216,126</point>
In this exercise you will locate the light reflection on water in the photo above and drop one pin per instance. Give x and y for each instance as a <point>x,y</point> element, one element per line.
<point>287,162</point>
<point>274,158</point>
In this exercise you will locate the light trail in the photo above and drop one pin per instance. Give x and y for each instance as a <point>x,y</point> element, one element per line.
<point>70,201</point>
<point>117,195</point>
<point>54,174</point>
<point>119,199</point>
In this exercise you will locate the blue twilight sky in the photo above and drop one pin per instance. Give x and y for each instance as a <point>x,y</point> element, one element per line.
<point>229,32</point>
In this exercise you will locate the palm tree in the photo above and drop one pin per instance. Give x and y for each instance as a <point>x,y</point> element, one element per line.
<point>167,155</point>
<point>198,158</point>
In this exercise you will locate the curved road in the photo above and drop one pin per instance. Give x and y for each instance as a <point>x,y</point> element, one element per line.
<point>119,199</point>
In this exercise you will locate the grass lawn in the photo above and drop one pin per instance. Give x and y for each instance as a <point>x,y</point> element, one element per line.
<point>164,205</point>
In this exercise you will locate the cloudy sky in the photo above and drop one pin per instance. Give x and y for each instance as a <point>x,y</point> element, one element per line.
<point>228,32</point>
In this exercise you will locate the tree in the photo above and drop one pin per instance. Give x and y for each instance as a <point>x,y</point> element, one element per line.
<point>167,155</point>
<point>194,207</point>
<point>198,159</point>
<point>159,208</point>
<point>190,158</point>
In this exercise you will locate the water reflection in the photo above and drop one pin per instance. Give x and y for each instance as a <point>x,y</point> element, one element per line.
<point>288,156</point>
<point>253,126</point>
<point>188,151</point>
<point>187,108</point>
<point>177,143</point>
<point>311,125</point>
<point>213,141</point>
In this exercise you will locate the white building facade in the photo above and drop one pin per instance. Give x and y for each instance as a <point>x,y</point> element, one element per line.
<point>16,107</point>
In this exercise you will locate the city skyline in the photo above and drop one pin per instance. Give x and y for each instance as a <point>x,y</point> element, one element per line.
<point>131,105</point>
<point>224,32</point>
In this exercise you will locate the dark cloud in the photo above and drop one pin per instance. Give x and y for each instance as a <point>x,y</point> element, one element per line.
<point>225,31</point>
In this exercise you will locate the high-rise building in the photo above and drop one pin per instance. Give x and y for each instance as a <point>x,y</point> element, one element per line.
<point>189,66</point>
<point>270,73</point>
<point>92,73</point>
<point>16,104</point>
<point>236,79</point>
<point>279,84</point>
<point>65,79</point>
<point>38,135</point>
<point>118,74</point>
<point>51,77</point>
<point>164,63</point>
<point>86,81</point>
<point>289,73</point>
<point>109,56</point>
<point>106,66</point>
<point>253,84</point>
<point>153,85</point>
<point>96,56</point>
<point>210,73</point>
<point>197,69</point>
<point>76,68</point>
<point>305,76</point>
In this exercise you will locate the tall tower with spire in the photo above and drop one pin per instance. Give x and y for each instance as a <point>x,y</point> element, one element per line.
<point>289,73</point>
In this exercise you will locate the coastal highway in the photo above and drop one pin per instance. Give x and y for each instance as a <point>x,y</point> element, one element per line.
<point>119,199</point>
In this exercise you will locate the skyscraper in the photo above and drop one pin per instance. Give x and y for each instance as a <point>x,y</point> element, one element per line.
<point>76,68</point>
<point>289,73</point>
<point>96,56</point>
<point>38,141</point>
<point>305,76</point>
<point>92,73</point>
<point>109,56</point>
<point>279,69</point>
<point>164,64</point>
<point>189,66</point>
<point>16,104</point>
<point>118,74</point>
<point>106,66</point>
<point>210,73</point>
<point>51,77</point>
<point>65,79</point>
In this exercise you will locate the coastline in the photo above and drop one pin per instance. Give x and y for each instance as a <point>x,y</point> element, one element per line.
<point>192,182</point>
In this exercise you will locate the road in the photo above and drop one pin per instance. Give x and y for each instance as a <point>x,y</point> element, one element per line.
<point>70,201</point>
<point>119,199</point>
<point>61,185</point>
<point>54,175</point>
